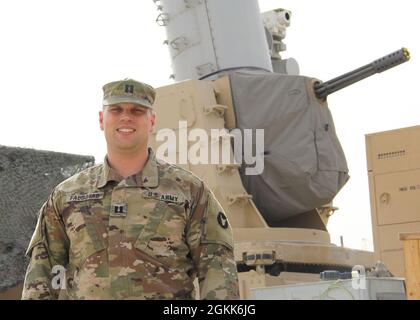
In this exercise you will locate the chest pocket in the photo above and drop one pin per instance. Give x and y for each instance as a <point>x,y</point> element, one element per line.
<point>84,221</point>
<point>162,237</point>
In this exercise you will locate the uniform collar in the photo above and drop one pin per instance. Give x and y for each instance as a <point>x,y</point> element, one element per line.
<point>148,177</point>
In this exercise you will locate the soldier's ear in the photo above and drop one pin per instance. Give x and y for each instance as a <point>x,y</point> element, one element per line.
<point>152,121</point>
<point>101,120</point>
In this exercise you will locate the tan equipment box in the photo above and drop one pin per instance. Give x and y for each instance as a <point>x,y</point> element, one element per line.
<point>393,161</point>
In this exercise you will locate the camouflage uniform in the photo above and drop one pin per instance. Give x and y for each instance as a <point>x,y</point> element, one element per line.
<point>144,237</point>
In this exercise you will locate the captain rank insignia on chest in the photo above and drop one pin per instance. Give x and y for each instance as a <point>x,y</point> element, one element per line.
<point>118,210</point>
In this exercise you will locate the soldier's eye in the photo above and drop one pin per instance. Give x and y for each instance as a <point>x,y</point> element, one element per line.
<point>115,110</point>
<point>138,111</point>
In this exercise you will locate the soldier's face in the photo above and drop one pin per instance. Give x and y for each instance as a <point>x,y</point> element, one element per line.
<point>127,127</point>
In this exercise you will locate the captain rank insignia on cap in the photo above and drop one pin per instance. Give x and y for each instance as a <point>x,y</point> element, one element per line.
<point>129,88</point>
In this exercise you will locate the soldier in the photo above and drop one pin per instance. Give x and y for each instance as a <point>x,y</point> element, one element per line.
<point>134,227</point>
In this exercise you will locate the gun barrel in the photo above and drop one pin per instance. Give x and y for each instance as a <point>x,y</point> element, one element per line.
<point>323,89</point>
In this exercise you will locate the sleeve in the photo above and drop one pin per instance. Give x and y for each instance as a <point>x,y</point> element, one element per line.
<point>48,252</point>
<point>211,242</point>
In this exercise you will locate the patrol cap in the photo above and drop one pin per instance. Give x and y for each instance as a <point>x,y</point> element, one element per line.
<point>128,90</point>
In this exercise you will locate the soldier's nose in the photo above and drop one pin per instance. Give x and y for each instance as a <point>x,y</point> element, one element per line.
<point>125,116</point>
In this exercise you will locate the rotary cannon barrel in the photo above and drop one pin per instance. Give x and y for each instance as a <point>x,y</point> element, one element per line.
<point>323,89</point>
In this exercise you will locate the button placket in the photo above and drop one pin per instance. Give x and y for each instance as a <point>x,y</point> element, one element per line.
<point>116,225</point>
